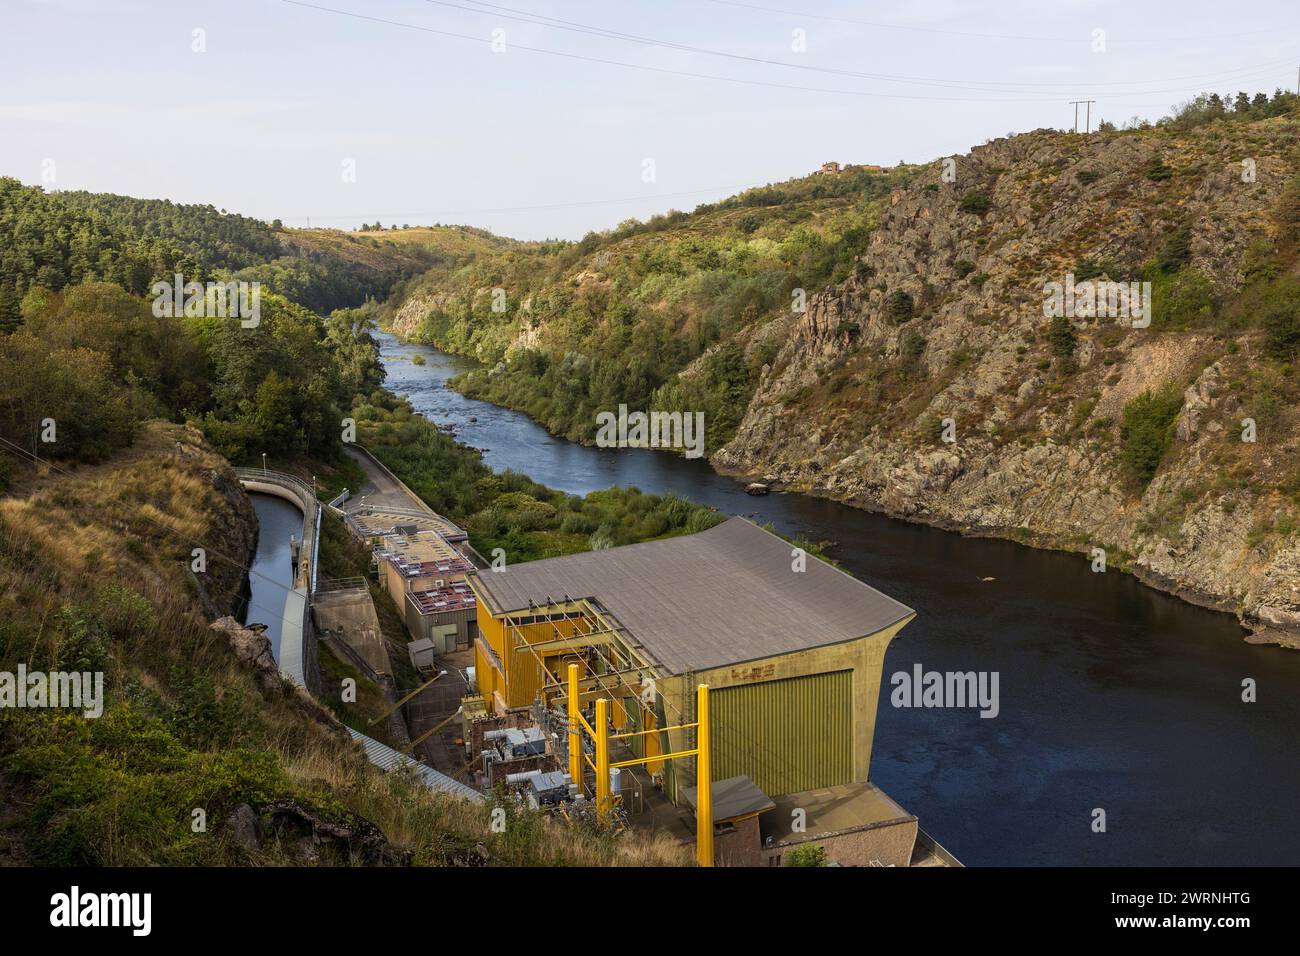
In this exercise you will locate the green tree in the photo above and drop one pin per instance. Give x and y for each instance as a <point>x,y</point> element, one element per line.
<point>1146,432</point>
<point>1061,337</point>
<point>1281,321</point>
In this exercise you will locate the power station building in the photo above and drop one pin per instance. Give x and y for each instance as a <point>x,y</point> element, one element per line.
<point>424,573</point>
<point>792,650</point>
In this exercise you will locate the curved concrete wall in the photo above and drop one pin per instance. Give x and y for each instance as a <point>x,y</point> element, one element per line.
<point>266,486</point>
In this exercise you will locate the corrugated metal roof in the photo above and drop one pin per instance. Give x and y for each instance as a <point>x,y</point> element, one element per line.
<point>386,758</point>
<point>723,596</point>
<point>733,797</point>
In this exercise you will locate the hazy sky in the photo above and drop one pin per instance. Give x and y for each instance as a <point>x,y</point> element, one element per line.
<point>112,95</point>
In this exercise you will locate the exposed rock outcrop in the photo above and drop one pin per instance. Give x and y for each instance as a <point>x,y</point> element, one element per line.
<point>927,385</point>
<point>253,650</point>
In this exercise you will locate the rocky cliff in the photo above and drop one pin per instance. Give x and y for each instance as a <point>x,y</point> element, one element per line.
<point>931,384</point>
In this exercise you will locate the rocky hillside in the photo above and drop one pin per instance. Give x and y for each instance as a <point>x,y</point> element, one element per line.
<point>926,377</point>
<point>931,384</point>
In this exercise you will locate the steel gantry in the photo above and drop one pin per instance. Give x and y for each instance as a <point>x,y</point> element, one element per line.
<point>601,766</point>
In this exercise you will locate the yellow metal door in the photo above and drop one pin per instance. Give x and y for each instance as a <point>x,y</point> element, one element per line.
<point>786,735</point>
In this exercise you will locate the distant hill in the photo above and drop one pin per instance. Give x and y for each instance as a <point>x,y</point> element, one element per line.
<point>62,238</point>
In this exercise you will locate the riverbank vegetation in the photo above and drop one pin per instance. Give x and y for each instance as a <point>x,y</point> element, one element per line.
<point>510,511</point>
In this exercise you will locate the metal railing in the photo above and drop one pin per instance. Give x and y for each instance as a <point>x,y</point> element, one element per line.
<point>325,585</point>
<point>277,476</point>
<point>408,512</point>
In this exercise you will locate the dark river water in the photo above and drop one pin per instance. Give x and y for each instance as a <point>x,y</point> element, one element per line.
<point>272,570</point>
<point>1112,696</point>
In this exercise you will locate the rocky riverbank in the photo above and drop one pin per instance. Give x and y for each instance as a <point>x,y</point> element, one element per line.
<point>931,386</point>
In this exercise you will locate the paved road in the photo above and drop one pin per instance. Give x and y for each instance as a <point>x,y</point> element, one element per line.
<point>380,490</point>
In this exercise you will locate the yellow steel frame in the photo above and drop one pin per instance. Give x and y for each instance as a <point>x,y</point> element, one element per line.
<point>602,766</point>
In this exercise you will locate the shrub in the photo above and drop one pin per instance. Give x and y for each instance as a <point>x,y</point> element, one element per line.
<point>1061,337</point>
<point>963,268</point>
<point>1087,177</point>
<point>899,306</point>
<point>1146,430</point>
<point>1184,301</point>
<point>532,518</point>
<point>577,524</point>
<point>1088,268</point>
<point>703,519</point>
<point>1281,321</point>
<point>1157,171</point>
<point>913,347</point>
<point>806,854</point>
<point>1177,250</point>
<point>975,202</point>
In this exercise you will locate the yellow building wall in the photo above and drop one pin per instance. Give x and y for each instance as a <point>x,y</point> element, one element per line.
<point>523,678</point>
<point>787,761</point>
<point>787,734</point>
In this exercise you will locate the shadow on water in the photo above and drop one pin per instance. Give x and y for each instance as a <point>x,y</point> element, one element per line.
<point>1112,696</point>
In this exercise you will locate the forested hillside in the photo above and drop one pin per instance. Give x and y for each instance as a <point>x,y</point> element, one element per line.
<point>59,239</point>
<point>81,347</point>
<point>581,326</point>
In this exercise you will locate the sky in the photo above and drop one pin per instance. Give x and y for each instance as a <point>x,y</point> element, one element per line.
<point>550,118</point>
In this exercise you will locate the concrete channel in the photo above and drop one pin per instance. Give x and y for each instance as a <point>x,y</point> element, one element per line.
<point>298,654</point>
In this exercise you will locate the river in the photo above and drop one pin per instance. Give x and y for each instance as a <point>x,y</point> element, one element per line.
<point>1113,696</point>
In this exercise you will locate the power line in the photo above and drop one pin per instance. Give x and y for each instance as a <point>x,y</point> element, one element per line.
<point>664,70</point>
<point>970,34</point>
<point>695,75</point>
<point>974,85</point>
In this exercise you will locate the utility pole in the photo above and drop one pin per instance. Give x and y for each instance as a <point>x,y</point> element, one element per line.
<point>1088,122</point>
